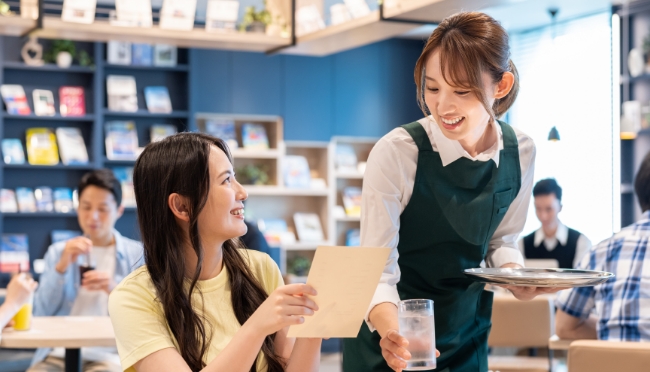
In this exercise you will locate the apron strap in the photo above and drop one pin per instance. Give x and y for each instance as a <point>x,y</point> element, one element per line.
<point>416,130</point>
<point>509,136</point>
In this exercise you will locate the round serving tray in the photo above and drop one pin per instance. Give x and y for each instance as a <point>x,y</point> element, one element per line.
<point>539,277</point>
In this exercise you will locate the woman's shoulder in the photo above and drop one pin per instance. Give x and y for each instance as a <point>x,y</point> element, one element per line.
<point>263,267</point>
<point>138,281</point>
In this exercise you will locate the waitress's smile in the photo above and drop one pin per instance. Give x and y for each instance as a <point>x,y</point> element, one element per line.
<point>452,123</point>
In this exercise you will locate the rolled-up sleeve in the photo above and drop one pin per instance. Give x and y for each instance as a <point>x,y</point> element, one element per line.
<point>503,247</point>
<point>381,207</point>
<point>50,294</point>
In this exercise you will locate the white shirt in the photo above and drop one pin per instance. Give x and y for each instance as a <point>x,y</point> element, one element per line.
<point>561,235</point>
<point>388,185</point>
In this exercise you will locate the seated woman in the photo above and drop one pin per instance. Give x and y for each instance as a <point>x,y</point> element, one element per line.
<point>200,302</point>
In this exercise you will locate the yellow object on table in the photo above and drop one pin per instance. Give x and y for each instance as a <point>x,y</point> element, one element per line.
<point>23,318</point>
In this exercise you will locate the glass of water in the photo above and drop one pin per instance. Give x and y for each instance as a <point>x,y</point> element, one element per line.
<point>416,325</point>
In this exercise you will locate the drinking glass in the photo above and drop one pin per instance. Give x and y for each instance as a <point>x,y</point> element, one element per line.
<point>417,326</point>
<point>23,318</point>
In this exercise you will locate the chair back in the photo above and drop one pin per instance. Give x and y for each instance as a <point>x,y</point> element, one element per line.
<point>608,356</point>
<point>525,324</point>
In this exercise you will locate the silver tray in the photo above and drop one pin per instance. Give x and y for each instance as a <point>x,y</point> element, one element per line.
<point>539,277</point>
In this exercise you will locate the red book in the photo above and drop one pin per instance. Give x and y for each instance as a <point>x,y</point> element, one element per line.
<point>72,101</point>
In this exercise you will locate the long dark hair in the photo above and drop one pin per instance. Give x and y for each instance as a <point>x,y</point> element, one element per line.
<point>179,164</point>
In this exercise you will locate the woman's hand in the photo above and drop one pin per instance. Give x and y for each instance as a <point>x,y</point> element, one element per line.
<point>393,349</point>
<point>286,306</point>
<point>19,289</point>
<point>98,280</point>
<point>526,293</point>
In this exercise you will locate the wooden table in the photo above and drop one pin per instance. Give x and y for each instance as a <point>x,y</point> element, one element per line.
<point>556,343</point>
<point>71,333</point>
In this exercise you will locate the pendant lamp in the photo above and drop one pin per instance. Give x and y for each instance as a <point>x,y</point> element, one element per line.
<point>553,135</point>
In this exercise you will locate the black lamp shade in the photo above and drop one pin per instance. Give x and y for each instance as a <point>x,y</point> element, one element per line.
<point>554,135</point>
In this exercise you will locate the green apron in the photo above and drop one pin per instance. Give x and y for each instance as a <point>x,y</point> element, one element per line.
<point>445,229</point>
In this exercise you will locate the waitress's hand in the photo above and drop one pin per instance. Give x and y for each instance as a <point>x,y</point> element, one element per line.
<point>526,293</point>
<point>287,305</point>
<point>393,349</point>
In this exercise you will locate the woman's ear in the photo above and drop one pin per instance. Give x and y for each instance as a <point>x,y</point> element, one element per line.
<point>178,204</point>
<point>505,85</point>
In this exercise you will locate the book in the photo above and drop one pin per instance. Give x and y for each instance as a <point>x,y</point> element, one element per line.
<point>177,15</point>
<point>71,146</point>
<point>43,102</point>
<point>134,13</point>
<point>345,158</point>
<point>26,200</point>
<point>164,55</point>
<point>63,200</point>
<point>122,93</point>
<point>141,55</point>
<point>12,151</point>
<point>79,11</point>
<point>44,200</point>
<point>125,176</point>
<point>296,172</point>
<point>224,129</point>
<point>118,53</point>
<point>353,238</point>
<point>352,201</point>
<point>121,140</point>
<point>14,253</point>
<point>161,131</point>
<point>63,235</point>
<point>157,99</point>
<point>308,227</point>
<point>254,137</point>
<point>15,99</point>
<point>221,15</point>
<point>8,202</point>
<point>275,231</point>
<point>41,147</point>
<point>72,101</point>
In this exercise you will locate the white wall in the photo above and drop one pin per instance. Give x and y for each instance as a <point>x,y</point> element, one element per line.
<point>566,82</point>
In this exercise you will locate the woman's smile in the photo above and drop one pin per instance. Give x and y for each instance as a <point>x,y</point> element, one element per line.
<point>451,123</point>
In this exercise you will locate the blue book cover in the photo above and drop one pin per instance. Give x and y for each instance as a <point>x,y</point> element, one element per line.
<point>142,55</point>
<point>12,151</point>
<point>121,140</point>
<point>296,172</point>
<point>25,198</point>
<point>157,99</point>
<point>353,238</point>
<point>224,129</point>
<point>14,253</point>
<point>254,137</point>
<point>63,235</point>
<point>44,200</point>
<point>63,200</point>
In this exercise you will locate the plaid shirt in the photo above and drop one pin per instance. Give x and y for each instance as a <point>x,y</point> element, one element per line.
<point>622,304</point>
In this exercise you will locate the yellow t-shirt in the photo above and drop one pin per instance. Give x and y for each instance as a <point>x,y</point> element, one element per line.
<point>140,326</point>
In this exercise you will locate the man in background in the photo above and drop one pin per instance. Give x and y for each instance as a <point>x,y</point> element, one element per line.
<point>616,310</point>
<point>108,256</point>
<point>553,240</point>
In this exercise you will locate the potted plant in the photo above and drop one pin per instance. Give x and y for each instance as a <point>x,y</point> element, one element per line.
<point>251,174</point>
<point>62,52</point>
<point>255,21</point>
<point>299,266</point>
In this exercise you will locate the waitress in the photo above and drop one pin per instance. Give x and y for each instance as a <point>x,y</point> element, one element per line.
<point>445,193</point>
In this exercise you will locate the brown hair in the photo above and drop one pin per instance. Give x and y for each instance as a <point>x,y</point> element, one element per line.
<point>179,164</point>
<point>470,43</point>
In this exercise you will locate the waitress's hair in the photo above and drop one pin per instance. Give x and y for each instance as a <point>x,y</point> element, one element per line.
<point>470,43</point>
<point>179,164</point>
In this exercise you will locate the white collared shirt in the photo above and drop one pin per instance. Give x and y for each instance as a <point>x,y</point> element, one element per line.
<point>561,235</point>
<point>388,185</point>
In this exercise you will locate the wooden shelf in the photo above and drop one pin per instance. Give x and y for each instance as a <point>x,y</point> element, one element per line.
<point>282,191</point>
<point>48,67</point>
<point>304,246</point>
<point>352,34</point>
<point>89,166</point>
<point>348,219</point>
<point>147,114</point>
<point>179,68</point>
<point>57,117</point>
<point>434,11</point>
<point>349,175</point>
<point>55,28</point>
<point>38,214</point>
<point>255,154</point>
<point>119,162</point>
<point>15,25</point>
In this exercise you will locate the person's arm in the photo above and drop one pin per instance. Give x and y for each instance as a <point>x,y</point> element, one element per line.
<point>582,247</point>
<point>18,291</point>
<point>572,328</point>
<point>50,295</point>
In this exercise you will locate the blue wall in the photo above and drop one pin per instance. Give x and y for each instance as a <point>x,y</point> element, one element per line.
<point>362,92</point>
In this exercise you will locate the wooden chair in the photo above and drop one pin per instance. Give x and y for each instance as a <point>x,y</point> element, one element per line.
<point>607,356</point>
<point>523,324</point>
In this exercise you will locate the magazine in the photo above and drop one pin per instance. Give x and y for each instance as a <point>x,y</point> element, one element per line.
<point>346,158</point>
<point>44,201</point>
<point>224,129</point>
<point>221,15</point>
<point>63,200</point>
<point>125,176</point>
<point>275,231</point>
<point>12,151</point>
<point>71,101</point>
<point>254,137</point>
<point>142,55</point>
<point>308,227</point>
<point>8,202</point>
<point>71,146</point>
<point>79,11</point>
<point>43,102</point>
<point>134,13</point>
<point>15,99</point>
<point>122,93</point>
<point>296,172</point>
<point>41,147</point>
<point>161,131</point>
<point>352,201</point>
<point>121,140</point>
<point>118,53</point>
<point>26,201</point>
<point>164,55</point>
<point>14,253</point>
<point>353,238</point>
<point>63,235</point>
<point>178,14</point>
<point>157,99</point>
